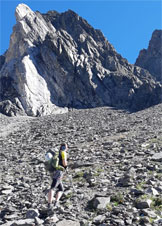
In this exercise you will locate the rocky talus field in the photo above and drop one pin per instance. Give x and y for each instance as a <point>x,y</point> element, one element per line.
<point>115,163</point>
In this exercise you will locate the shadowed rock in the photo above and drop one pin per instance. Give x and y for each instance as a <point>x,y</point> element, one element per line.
<point>151,58</point>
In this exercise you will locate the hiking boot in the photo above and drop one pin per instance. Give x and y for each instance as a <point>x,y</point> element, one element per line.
<point>50,209</point>
<point>50,206</point>
<point>56,203</point>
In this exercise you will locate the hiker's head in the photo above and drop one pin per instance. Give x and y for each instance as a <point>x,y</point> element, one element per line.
<point>48,156</point>
<point>63,147</point>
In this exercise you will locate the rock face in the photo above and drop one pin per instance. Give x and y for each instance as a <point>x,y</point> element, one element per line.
<point>151,58</point>
<point>58,60</point>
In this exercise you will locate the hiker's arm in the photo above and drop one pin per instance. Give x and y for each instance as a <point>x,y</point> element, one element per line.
<point>64,162</point>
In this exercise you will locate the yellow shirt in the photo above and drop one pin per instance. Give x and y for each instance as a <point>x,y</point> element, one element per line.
<point>64,155</point>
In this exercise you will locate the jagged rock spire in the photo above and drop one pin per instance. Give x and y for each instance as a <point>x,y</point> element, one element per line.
<point>151,58</point>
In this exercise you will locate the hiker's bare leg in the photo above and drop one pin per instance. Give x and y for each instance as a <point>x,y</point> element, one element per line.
<point>60,191</point>
<point>50,195</point>
<point>58,195</point>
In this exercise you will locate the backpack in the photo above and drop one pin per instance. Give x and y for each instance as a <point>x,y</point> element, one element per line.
<point>53,164</point>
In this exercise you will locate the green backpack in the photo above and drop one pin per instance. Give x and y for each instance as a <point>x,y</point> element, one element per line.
<point>53,164</point>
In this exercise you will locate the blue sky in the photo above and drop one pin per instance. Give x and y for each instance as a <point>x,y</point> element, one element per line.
<point>128,25</point>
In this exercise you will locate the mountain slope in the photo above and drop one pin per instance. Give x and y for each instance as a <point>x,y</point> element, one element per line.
<point>114,160</point>
<point>58,60</point>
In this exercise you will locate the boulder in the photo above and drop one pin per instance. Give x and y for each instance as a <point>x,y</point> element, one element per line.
<point>12,108</point>
<point>68,223</point>
<point>100,202</point>
<point>24,222</point>
<point>157,157</point>
<point>32,214</point>
<point>143,204</point>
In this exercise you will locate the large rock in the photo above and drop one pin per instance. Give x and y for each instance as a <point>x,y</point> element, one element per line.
<point>68,223</point>
<point>151,58</point>
<point>125,181</point>
<point>143,204</point>
<point>11,108</point>
<point>32,214</point>
<point>100,202</point>
<point>157,157</point>
<point>58,60</point>
<point>24,222</point>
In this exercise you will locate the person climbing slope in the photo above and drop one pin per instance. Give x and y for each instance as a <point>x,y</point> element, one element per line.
<point>59,164</point>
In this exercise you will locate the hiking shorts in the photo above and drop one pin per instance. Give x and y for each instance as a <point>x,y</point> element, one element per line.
<point>57,181</point>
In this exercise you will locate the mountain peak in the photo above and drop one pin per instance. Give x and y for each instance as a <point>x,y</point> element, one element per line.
<point>151,58</point>
<point>58,60</point>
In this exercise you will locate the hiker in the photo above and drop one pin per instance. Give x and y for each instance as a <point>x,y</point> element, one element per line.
<point>57,175</point>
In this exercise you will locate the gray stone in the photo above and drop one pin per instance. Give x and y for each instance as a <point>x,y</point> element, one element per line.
<point>143,204</point>
<point>118,222</point>
<point>52,219</point>
<point>128,221</point>
<point>9,223</point>
<point>39,221</point>
<point>100,202</point>
<point>125,181</point>
<point>11,216</point>
<point>99,219</point>
<point>11,108</point>
<point>152,191</point>
<point>149,213</point>
<point>137,192</point>
<point>144,220</point>
<point>26,222</point>
<point>68,223</point>
<point>32,213</point>
<point>158,221</point>
<point>157,157</point>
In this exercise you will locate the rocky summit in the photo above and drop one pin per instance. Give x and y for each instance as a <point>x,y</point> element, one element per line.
<point>115,168</point>
<point>151,58</point>
<point>57,61</point>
